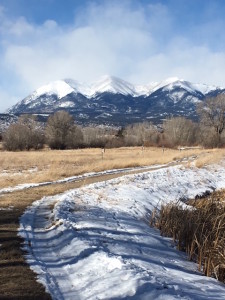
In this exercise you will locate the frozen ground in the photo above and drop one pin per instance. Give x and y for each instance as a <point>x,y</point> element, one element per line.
<point>95,242</point>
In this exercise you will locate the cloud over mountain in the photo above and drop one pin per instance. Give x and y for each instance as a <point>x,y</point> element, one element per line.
<point>138,42</point>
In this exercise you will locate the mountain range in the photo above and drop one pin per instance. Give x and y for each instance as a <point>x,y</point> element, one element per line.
<point>113,101</point>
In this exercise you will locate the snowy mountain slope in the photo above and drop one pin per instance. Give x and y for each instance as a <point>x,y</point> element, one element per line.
<point>115,101</point>
<point>59,88</point>
<point>112,84</point>
<point>97,243</point>
<point>6,120</point>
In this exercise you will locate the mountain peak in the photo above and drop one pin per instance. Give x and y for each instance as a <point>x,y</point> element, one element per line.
<point>113,84</point>
<point>171,80</point>
<point>58,87</point>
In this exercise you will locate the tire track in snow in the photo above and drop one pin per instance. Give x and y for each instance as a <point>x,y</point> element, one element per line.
<point>38,220</point>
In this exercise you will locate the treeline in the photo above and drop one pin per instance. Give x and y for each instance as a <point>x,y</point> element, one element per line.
<point>61,132</point>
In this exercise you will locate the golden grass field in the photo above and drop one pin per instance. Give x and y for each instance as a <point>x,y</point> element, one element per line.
<point>17,281</point>
<point>49,165</point>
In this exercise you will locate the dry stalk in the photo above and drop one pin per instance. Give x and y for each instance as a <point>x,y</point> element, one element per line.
<point>200,232</point>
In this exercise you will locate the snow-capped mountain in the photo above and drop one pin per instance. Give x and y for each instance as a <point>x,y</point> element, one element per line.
<point>112,100</point>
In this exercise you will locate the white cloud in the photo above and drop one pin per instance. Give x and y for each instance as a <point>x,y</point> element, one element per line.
<point>135,44</point>
<point>6,98</point>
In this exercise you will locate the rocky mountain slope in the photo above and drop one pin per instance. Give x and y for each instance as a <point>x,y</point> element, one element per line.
<point>6,120</point>
<point>114,101</point>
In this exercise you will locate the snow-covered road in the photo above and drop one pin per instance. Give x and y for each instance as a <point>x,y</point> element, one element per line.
<point>95,242</point>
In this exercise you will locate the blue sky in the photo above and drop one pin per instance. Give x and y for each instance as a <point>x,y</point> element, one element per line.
<point>139,41</point>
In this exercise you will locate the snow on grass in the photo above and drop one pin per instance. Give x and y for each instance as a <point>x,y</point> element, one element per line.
<point>7,208</point>
<point>10,173</point>
<point>95,242</point>
<point>25,186</point>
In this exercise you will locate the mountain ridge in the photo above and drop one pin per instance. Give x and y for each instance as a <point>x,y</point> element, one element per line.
<point>114,101</point>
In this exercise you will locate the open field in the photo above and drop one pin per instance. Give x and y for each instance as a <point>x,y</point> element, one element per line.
<point>17,281</point>
<point>48,165</point>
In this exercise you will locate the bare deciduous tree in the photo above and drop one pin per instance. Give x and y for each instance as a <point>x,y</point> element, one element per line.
<point>212,114</point>
<point>98,136</point>
<point>141,133</point>
<point>179,131</point>
<point>25,134</point>
<point>61,132</point>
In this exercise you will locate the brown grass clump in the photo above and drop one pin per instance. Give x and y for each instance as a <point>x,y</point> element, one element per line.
<point>200,231</point>
<point>211,157</point>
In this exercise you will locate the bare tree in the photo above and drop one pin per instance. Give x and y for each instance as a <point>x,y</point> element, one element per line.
<point>179,131</point>
<point>61,132</point>
<point>74,138</point>
<point>25,134</point>
<point>98,136</point>
<point>141,133</point>
<point>206,137</point>
<point>212,114</point>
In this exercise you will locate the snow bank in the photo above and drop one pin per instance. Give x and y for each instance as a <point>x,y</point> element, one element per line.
<point>97,244</point>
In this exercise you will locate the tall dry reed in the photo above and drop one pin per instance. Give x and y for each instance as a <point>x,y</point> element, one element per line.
<point>200,231</point>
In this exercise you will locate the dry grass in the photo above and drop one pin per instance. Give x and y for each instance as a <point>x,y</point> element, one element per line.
<point>48,165</point>
<point>199,231</point>
<point>211,157</point>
